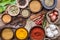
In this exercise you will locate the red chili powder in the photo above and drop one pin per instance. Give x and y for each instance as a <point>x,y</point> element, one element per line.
<point>37,33</point>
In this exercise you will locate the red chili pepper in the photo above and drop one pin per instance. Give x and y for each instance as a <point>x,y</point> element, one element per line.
<point>39,21</point>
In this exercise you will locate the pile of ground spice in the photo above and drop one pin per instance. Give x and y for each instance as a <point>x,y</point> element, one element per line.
<point>37,33</point>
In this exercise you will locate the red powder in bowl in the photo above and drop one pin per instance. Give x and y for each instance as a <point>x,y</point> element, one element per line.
<point>37,33</point>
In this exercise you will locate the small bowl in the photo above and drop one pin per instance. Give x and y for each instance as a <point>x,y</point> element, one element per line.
<point>48,19</point>
<point>57,28</point>
<point>22,6</point>
<point>6,22</point>
<point>36,27</point>
<point>24,29</point>
<point>49,7</point>
<point>24,10</point>
<point>32,9</point>
<point>7,28</point>
<point>13,14</point>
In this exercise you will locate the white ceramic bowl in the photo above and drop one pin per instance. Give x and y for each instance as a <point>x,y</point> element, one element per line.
<point>27,2</point>
<point>55,35</point>
<point>13,14</point>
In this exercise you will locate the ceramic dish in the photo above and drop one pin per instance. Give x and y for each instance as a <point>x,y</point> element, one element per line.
<point>52,31</point>
<point>6,18</point>
<point>25,13</point>
<point>13,10</point>
<point>21,33</point>
<point>35,6</point>
<point>22,3</point>
<point>58,17</point>
<point>49,4</point>
<point>7,34</point>
<point>37,33</point>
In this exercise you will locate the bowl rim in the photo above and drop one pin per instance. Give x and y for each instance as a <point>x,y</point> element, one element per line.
<point>27,2</point>
<point>37,26</point>
<point>8,9</point>
<point>48,19</point>
<point>49,7</point>
<point>55,35</point>
<point>24,29</point>
<point>7,28</point>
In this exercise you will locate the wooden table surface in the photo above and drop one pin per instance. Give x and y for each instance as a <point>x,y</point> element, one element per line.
<point>58,4</point>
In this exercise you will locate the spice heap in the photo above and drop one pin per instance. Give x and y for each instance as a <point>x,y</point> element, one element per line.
<point>37,33</point>
<point>13,10</point>
<point>35,6</point>
<point>52,31</point>
<point>7,34</point>
<point>6,18</point>
<point>25,13</point>
<point>49,2</point>
<point>21,33</point>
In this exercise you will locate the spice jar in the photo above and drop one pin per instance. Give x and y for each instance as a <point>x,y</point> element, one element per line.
<point>37,33</point>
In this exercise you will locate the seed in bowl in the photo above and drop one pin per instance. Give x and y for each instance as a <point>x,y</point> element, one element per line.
<point>13,10</point>
<point>49,2</point>
<point>35,6</point>
<point>25,13</point>
<point>7,34</point>
<point>22,3</point>
<point>6,18</point>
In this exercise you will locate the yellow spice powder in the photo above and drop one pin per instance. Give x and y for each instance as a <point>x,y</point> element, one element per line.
<point>21,33</point>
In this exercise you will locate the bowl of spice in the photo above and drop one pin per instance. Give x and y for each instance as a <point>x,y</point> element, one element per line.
<point>6,18</point>
<point>22,3</point>
<point>7,33</point>
<point>52,31</point>
<point>49,4</point>
<point>21,33</point>
<point>35,6</point>
<point>53,16</point>
<point>25,13</point>
<point>13,10</point>
<point>37,33</point>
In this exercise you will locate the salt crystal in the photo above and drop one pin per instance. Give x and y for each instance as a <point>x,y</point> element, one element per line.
<point>55,32</point>
<point>48,30</point>
<point>53,27</point>
<point>50,34</point>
